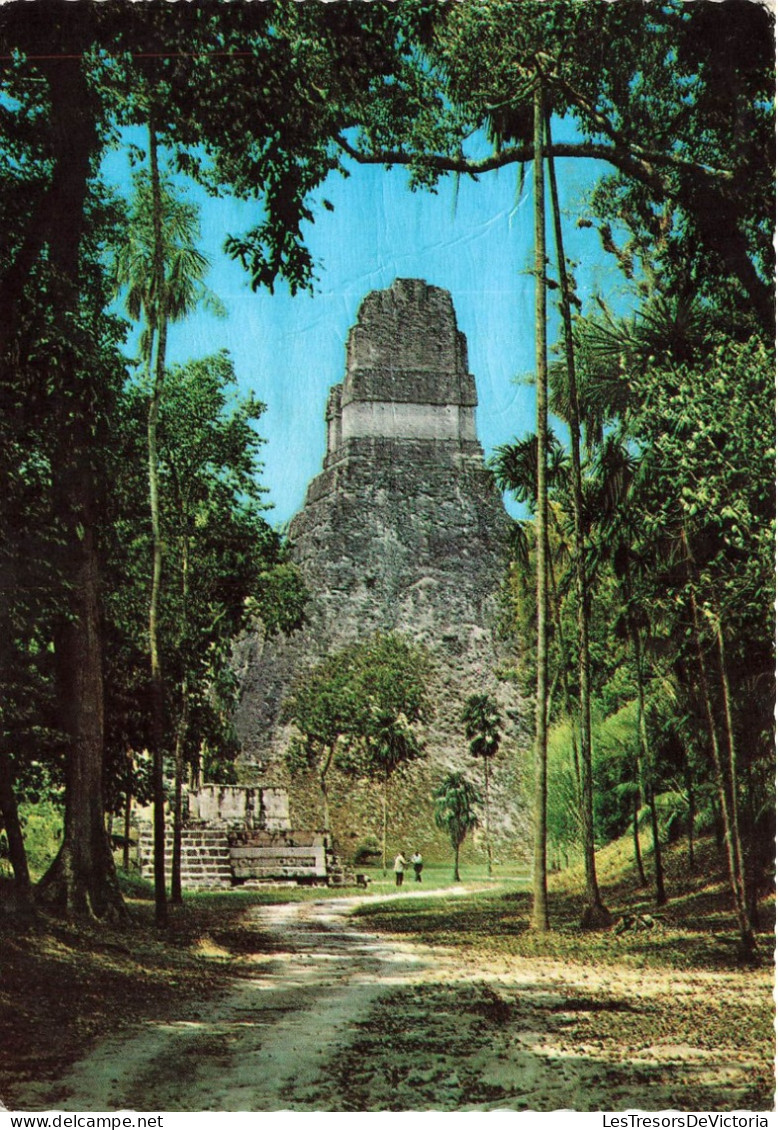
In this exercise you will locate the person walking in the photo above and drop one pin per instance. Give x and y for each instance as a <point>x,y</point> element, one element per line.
<point>418,863</point>
<point>399,869</point>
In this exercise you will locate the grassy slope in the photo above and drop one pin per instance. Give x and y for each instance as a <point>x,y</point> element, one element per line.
<point>694,930</point>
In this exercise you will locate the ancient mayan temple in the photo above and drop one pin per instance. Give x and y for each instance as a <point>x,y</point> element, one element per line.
<point>403,530</point>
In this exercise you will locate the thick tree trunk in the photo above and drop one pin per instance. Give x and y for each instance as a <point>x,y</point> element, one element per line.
<point>539,919</point>
<point>732,758</point>
<point>13,830</point>
<point>594,914</point>
<point>82,880</point>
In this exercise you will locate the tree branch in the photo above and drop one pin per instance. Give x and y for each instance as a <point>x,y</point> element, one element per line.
<point>623,155</point>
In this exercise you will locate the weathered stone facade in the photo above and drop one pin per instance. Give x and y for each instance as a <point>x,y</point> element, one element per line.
<point>403,530</point>
<point>233,834</point>
<point>266,808</point>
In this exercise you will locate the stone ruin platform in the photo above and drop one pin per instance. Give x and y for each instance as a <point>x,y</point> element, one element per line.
<point>241,834</point>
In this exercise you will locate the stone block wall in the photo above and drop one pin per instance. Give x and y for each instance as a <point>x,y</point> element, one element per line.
<point>205,856</point>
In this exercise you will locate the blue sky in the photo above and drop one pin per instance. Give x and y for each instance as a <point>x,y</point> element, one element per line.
<point>476,241</point>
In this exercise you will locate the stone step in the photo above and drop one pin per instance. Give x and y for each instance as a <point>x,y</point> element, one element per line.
<point>188,881</point>
<point>216,839</point>
<point>195,861</point>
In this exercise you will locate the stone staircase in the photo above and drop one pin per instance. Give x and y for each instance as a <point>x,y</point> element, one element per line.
<point>205,856</point>
<point>338,875</point>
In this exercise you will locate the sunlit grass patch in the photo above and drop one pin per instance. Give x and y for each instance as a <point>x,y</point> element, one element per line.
<point>695,930</point>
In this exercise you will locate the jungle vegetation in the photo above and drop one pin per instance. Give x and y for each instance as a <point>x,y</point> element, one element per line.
<point>646,577</point>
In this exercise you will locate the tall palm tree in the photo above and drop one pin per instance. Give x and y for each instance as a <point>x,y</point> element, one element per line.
<point>483,722</point>
<point>393,742</point>
<point>514,467</point>
<point>595,913</point>
<point>456,800</point>
<point>160,272</point>
<point>615,472</point>
<point>539,919</point>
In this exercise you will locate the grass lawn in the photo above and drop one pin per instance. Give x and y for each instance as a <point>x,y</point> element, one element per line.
<point>440,875</point>
<point>695,929</point>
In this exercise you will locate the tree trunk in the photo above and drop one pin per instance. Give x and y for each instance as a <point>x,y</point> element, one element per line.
<point>563,659</point>
<point>594,914</point>
<point>456,864</point>
<point>730,737</point>
<point>323,787</point>
<point>487,832</point>
<point>176,894</point>
<point>157,686</point>
<point>384,806</point>
<point>82,879</point>
<point>58,217</point>
<point>737,886</point>
<point>692,811</point>
<point>636,840</point>
<point>539,920</point>
<point>754,869</point>
<point>644,767</point>
<point>659,875</point>
<point>127,817</point>
<point>13,830</point>
<point>734,852</point>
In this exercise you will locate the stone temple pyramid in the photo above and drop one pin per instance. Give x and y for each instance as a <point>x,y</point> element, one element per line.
<point>403,530</point>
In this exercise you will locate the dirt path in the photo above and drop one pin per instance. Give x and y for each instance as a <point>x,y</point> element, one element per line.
<point>327,1017</point>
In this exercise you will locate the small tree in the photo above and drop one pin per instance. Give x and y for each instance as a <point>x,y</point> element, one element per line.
<point>391,743</point>
<point>359,707</point>
<point>392,685</point>
<point>455,803</point>
<point>222,558</point>
<point>323,708</point>
<point>483,723</point>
